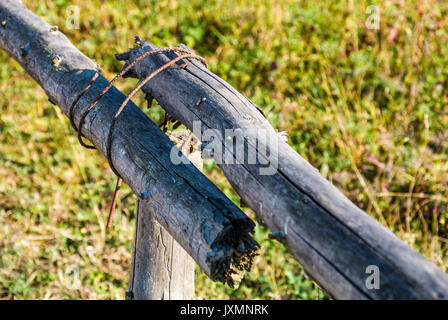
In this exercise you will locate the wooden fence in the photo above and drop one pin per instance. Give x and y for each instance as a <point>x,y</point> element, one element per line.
<point>335,241</point>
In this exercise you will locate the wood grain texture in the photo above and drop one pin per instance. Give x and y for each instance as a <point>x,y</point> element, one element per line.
<point>161,268</point>
<point>332,238</point>
<point>191,208</point>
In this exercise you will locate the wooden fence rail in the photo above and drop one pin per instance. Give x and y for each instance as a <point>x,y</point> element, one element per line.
<point>335,241</point>
<point>214,231</point>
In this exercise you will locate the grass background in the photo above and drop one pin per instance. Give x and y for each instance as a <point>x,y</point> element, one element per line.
<point>365,107</point>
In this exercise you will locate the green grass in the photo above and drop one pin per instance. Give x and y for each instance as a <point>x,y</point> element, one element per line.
<point>365,107</point>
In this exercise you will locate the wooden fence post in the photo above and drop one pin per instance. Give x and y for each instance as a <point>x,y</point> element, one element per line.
<point>161,268</point>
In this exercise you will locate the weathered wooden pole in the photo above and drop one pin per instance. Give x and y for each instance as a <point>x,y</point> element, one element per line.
<point>214,232</point>
<point>161,268</point>
<point>338,244</point>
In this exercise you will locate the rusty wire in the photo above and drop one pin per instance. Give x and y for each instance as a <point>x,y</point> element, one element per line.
<point>187,54</point>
